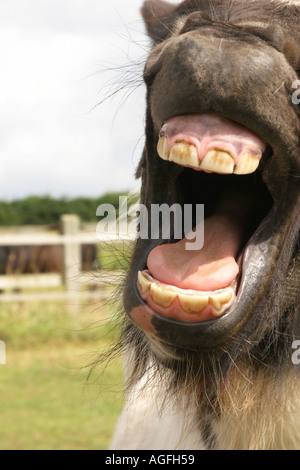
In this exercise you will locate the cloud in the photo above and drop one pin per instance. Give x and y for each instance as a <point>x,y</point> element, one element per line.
<point>52,59</point>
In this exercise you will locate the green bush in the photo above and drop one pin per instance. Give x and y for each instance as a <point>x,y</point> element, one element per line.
<point>45,210</point>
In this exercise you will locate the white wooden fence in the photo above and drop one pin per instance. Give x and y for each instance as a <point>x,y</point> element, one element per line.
<point>72,277</point>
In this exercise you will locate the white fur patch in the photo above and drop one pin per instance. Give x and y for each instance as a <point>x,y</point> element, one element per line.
<point>290,2</point>
<point>148,424</point>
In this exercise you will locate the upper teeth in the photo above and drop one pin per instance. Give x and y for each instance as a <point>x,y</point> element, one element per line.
<point>217,161</point>
<point>184,154</point>
<point>246,164</point>
<point>162,148</point>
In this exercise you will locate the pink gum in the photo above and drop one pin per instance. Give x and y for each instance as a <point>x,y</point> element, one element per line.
<point>210,132</point>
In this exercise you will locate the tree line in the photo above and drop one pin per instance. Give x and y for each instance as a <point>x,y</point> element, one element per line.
<point>46,210</point>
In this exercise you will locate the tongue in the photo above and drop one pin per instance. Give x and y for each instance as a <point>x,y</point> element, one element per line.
<point>214,266</point>
<point>211,268</point>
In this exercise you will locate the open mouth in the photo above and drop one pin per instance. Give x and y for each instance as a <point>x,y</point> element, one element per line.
<point>221,167</point>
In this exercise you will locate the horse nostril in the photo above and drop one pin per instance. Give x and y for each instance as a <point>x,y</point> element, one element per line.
<point>273,35</point>
<point>195,20</point>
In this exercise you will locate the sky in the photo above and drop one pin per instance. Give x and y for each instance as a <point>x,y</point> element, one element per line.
<point>59,60</point>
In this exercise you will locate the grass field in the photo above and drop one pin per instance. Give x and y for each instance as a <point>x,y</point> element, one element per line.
<point>47,399</point>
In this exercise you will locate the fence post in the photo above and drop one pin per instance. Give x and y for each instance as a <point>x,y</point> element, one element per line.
<point>2,353</point>
<point>72,262</point>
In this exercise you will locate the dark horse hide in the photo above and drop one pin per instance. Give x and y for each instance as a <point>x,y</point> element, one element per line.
<point>42,259</point>
<point>211,335</point>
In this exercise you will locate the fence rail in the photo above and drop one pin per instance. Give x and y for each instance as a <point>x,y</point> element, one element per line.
<point>71,278</point>
<point>49,239</point>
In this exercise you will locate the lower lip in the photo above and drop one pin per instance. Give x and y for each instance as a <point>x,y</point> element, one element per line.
<point>142,316</point>
<point>192,336</point>
<point>176,312</point>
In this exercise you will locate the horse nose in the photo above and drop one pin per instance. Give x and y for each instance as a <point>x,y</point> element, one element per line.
<point>202,71</point>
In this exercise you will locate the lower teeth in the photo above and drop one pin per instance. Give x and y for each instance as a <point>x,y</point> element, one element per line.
<point>191,301</point>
